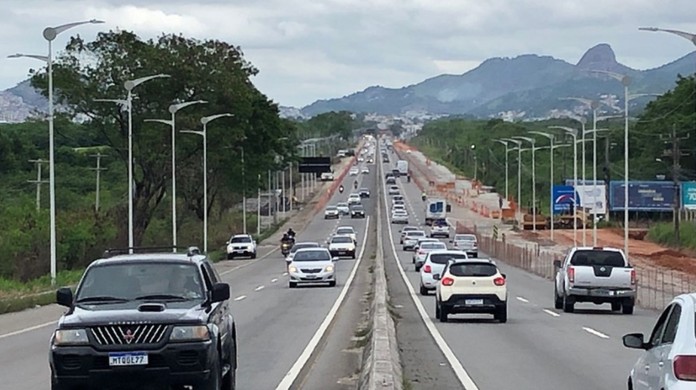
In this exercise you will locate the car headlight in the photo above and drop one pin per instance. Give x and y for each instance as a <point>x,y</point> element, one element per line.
<point>190,333</point>
<point>292,268</point>
<point>329,268</point>
<point>70,337</point>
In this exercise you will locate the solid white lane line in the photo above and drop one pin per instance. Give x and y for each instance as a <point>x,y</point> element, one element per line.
<point>239,298</point>
<point>259,288</point>
<point>551,313</point>
<point>294,372</point>
<point>456,365</point>
<point>29,329</point>
<point>274,280</point>
<point>522,300</point>
<point>595,332</point>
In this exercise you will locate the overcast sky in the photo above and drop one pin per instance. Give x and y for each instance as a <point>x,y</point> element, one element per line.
<point>317,49</point>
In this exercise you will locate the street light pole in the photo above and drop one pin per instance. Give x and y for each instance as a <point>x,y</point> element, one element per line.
<point>50,34</point>
<point>532,141</point>
<point>128,105</point>
<point>204,134</point>
<point>551,150</point>
<point>519,169</point>
<point>172,122</point>
<point>573,133</point>
<point>506,143</point>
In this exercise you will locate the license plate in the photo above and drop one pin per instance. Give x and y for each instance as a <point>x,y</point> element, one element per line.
<point>474,301</point>
<point>128,359</point>
<point>603,292</point>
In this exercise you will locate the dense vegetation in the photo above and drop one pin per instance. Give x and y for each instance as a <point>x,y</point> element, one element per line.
<point>209,70</point>
<point>450,140</point>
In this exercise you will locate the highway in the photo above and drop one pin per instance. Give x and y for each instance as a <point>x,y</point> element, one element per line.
<point>539,347</point>
<point>275,324</point>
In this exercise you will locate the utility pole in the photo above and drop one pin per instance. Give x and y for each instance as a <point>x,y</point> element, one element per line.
<point>98,170</point>
<point>607,174</point>
<point>38,181</point>
<point>675,153</point>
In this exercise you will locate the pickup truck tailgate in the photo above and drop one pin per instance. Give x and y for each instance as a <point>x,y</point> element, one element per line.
<point>600,268</point>
<point>602,276</point>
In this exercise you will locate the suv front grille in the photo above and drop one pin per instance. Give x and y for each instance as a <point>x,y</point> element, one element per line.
<point>128,334</point>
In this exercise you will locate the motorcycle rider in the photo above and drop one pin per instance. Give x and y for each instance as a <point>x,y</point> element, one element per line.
<point>291,234</point>
<point>355,184</point>
<point>423,196</point>
<point>340,189</point>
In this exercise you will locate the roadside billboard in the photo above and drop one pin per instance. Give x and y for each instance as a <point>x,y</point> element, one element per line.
<point>642,195</point>
<point>688,195</point>
<point>563,198</point>
<point>593,198</point>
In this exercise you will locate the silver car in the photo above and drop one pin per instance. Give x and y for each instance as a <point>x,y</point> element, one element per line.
<point>669,360</point>
<point>411,239</point>
<point>435,262</point>
<point>343,208</point>
<point>467,243</point>
<point>423,249</point>
<point>312,265</point>
<point>399,216</point>
<point>405,230</point>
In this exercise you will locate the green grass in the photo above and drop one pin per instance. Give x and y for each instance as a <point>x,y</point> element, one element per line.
<point>13,288</point>
<point>663,234</point>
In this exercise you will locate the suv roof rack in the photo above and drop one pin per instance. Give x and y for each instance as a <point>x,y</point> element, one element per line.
<point>190,250</point>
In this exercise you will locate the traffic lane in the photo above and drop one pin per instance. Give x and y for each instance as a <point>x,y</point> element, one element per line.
<point>275,324</point>
<point>539,291</point>
<point>24,360</point>
<point>557,344</point>
<point>530,346</point>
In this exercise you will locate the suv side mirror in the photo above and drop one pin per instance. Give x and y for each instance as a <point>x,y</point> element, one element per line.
<point>436,276</point>
<point>504,276</point>
<point>334,259</point>
<point>64,297</point>
<point>221,292</point>
<point>557,263</point>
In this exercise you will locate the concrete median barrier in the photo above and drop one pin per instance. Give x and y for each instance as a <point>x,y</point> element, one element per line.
<point>381,367</point>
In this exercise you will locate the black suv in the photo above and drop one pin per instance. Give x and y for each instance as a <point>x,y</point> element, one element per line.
<point>357,211</point>
<point>157,320</point>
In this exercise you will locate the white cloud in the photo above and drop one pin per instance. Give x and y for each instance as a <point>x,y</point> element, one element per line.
<point>312,49</point>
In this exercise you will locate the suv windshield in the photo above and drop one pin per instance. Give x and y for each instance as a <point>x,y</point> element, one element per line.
<point>443,258</point>
<point>344,231</point>
<point>598,257</point>
<point>240,239</point>
<point>141,280</point>
<point>473,269</point>
<point>312,255</point>
<point>341,240</point>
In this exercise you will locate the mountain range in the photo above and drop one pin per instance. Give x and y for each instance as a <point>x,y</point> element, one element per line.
<point>529,86</point>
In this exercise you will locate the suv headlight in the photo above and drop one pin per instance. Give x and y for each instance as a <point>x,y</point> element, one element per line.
<point>70,337</point>
<point>190,333</point>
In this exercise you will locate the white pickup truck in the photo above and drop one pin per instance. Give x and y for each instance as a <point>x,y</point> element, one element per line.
<point>597,275</point>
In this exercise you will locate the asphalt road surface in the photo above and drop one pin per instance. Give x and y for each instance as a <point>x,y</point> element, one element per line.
<point>539,347</point>
<point>274,323</point>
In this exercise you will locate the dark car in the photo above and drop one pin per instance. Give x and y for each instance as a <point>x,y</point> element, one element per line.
<point>153,319</point>
<point>357,211</point>
<point>364,193</point>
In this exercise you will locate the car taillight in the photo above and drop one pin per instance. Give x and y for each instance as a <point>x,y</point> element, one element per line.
<point>427,269</point>
<point>685,367</point>
<point>633,277</point>
<point>499,281</point>
<point>447,281</point>
<point>571,274</point>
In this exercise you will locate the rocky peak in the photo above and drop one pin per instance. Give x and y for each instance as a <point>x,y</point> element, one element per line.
<point>599,57</point>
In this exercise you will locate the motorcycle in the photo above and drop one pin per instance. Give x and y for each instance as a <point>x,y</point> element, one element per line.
<point>285,248</point>
<point>340,189</point>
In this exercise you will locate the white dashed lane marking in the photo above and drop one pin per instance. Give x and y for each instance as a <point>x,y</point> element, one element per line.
<point>285,274</point>
<point>274,280</point>
<point>551,313</point>
<point>521,299</point>
<point>239,298</point>
<point>259,288</point>
<point>595,332</point>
